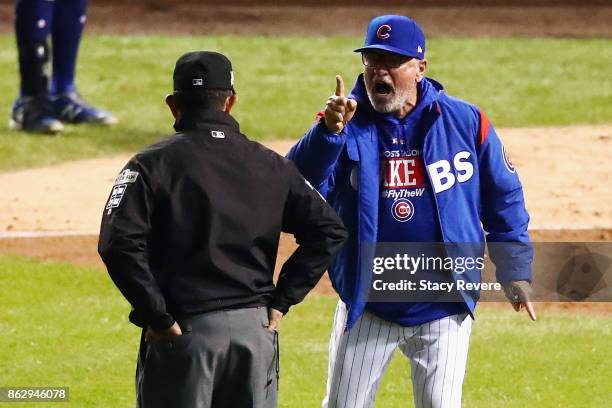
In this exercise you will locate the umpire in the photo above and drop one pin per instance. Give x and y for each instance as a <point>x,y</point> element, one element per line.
<point>190,235</point>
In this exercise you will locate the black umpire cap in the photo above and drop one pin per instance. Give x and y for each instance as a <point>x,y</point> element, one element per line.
<point>200,70</point>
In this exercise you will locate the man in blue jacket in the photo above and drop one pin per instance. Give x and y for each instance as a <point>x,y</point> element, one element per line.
<point>403,162</point>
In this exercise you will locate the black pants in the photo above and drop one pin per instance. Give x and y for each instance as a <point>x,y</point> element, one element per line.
<point>226,358</point>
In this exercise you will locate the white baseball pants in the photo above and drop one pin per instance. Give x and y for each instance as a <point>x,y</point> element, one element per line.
<point>358,359</point>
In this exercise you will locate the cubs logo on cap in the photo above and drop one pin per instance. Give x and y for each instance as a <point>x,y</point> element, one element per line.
<point>397,34</point>
<point>383,32</point>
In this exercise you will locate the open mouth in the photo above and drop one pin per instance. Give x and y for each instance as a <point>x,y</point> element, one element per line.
<point>383,88</point>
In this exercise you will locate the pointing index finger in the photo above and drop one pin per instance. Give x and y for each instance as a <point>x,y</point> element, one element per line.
<point>339,86</point>
<point>530,311</point>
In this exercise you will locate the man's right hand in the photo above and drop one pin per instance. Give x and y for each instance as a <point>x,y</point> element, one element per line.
<point>158,335</point>
<point>274,316</point>
<point>339,108</point>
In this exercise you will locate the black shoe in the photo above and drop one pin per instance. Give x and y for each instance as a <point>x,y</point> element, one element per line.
<point>34,114</point>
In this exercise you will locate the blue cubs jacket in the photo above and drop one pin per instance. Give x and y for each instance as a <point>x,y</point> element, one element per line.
<point>475,187</point>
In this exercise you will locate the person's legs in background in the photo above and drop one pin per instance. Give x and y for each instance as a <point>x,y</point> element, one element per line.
<point>32,111</point>
<point>69,18</point>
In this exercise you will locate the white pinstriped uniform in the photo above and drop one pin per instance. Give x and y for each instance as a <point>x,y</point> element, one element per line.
<point>358,359</point>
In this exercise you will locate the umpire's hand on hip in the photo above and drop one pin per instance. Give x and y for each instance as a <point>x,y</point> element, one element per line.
<point>339,109</point>
<point>158,335</point>
<point>274,316</point>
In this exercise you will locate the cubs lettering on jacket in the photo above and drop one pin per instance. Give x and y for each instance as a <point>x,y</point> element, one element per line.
<point>442,175</point>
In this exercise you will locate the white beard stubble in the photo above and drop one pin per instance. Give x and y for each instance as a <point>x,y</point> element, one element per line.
<point>396,103</point>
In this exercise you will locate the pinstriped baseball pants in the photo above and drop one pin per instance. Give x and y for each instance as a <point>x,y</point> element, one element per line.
<point>358,359</point>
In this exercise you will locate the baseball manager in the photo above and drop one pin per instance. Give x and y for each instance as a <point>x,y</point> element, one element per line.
<point>403,162</point>
<point>190,235</point>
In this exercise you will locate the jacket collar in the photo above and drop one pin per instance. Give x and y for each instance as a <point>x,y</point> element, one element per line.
<point>192,120</point>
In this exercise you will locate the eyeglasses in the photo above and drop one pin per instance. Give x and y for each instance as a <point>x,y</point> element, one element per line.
<point>389,61</point>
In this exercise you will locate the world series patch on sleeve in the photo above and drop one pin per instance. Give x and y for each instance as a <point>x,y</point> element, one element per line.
<point>124,178</point>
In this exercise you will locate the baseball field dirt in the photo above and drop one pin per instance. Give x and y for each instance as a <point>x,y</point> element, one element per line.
<point>558,194</point>
<point>438,19</point>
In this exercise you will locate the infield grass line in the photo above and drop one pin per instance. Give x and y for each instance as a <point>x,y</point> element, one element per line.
<point>282,82</point>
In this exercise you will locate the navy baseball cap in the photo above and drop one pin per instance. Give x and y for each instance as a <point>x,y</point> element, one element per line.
<point>200,70</point>
<point>397,34</point>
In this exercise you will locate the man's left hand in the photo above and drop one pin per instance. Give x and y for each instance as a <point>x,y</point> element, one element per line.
<point>519,294</point>
<point>158,335</point>
<point>274,316</point>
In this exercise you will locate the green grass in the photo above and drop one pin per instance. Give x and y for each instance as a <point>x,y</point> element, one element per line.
<point>283,82</point>
<point>64,325</point>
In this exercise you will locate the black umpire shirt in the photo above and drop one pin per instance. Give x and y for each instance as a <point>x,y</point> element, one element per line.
<point>193,225</point>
